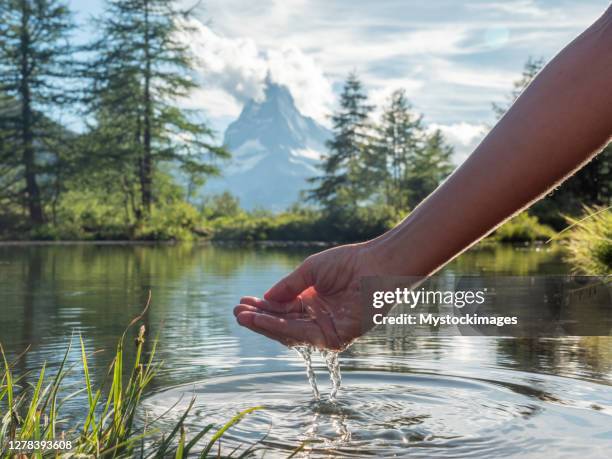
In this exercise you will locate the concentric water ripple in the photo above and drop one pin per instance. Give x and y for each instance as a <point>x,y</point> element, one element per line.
<point>384,414</point>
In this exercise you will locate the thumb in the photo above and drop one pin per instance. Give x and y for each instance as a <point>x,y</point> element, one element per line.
<point>291,285</point>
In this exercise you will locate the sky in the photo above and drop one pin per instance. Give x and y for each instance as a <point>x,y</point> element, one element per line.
<point>453,58</point>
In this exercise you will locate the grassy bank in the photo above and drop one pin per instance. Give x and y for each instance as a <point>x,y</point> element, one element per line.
<point>590,242</point>
<point>523,228</point>
<point>224,220</point>
<point>108,426</point>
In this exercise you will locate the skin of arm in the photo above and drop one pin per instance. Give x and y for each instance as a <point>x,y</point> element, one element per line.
<point>557,125</point>
<point>560,122</point>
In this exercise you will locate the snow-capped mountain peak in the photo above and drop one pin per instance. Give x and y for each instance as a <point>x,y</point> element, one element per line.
<point>274,150</point>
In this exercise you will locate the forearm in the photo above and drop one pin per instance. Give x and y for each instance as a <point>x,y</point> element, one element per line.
<point>560,121</point>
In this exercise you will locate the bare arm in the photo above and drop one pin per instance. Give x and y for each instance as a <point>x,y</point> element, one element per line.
<point>560,122</point>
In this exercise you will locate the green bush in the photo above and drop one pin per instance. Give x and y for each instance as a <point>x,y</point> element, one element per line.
<point>590,242</point>
<point>176,221</point>
<point>63,232</point>
<point>522,228</point>
<point>87,215</point>
<point>305,225</point>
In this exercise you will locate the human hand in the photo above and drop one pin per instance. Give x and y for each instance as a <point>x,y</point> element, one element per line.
<point>318,304</point>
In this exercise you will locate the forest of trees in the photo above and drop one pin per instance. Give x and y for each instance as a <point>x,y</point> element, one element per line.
<point>124,85</point>
<point>394,162</point>
<point>115,176</point>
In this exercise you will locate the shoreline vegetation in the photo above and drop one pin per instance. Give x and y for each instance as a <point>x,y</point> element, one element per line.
<point>137,165</point>
<point>112,423</point>
<point>587,239</point>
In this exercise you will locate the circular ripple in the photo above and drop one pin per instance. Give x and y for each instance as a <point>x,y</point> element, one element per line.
<point>391,414</point>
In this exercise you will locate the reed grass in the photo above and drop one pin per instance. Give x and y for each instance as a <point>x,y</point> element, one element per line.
<point>590,242</point>
<point>109,427</point>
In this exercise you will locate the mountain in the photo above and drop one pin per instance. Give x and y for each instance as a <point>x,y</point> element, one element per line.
<point>274,150</point>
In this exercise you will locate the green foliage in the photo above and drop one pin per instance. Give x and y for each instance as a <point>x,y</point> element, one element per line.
<point>107,426</point>
<point>221,205</point>
<point>590,241</point>
<point>364,223</point>
<point>306,225</point>
<point>142,67</point>
<point>176,221</point>
<point>345,165</point>
<point>36,61</point>
<point>522,228</point>
<point>99,214</point>
<point>372,174</point>
<point>399,136</point>
<point>430,165</point>
<point>250,228</point>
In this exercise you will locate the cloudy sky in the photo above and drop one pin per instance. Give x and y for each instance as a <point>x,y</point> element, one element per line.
<point>454,58</point>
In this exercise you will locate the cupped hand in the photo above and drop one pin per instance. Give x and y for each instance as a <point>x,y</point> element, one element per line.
<point>317,304</point>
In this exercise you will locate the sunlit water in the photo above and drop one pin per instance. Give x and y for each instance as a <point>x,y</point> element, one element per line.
<point>419,397</point>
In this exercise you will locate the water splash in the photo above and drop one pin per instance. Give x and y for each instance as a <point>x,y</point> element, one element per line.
<point>306,353</point>
<point>333,366</point>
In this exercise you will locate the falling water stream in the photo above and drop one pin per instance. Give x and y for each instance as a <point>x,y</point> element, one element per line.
<point>306,353</point>
<point>333,367</point>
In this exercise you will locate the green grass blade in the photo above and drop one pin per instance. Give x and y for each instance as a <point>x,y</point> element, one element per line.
<point>9,379</point>
<point>165,444</point>
<point>197,438</point>
<point>235,420</point>
<point>180,451</point>
<point>28,427</point>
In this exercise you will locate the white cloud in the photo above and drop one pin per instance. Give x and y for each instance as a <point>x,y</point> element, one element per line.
<point>453,58</point>
<point>515,7</point>
<point>464,137</point>
<point>237,69</point>
<point>215,101</point>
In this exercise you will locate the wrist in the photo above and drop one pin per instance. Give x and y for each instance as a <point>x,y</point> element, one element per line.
<point>395,254</point>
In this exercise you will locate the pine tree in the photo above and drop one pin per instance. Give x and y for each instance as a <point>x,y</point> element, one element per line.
<point>143,67</point>
<point>399,137</point>
<point>344,180</point>
<point>430,165</point>
<point>35,60</point>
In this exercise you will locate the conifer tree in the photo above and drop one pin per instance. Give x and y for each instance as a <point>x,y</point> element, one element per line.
<point>343,182</point>
<point>430,165</point>
<point>35,60</point>
<point>399,137</point>
<point>143,67</point>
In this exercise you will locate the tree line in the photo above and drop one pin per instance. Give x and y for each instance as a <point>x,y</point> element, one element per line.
<point>395,162</point>
<point>116,176</point>
<point>124,85</point>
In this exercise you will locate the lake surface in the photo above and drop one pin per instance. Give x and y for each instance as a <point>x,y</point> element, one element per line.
<point>420,397</point>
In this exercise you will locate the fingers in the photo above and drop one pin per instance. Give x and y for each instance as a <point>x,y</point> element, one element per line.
<point>273,306</point>
<point>289,331</point>
<point>248,308</point>
<point>246,319</point>
<point>291,285</point>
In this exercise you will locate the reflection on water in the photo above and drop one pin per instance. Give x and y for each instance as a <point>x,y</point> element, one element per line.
<point>452,393</point>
